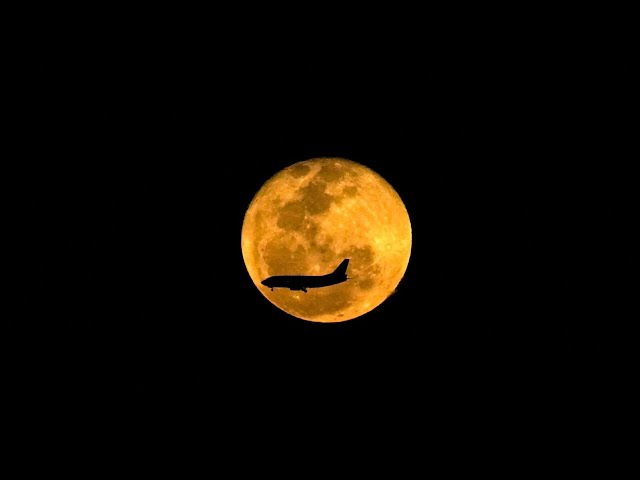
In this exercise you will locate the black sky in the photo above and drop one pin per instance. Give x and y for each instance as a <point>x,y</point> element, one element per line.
<point>151,144</point>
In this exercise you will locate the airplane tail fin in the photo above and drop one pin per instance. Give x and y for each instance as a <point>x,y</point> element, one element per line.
<point>341,271</point>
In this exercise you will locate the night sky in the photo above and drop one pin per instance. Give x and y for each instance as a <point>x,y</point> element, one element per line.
<point>150,148</point>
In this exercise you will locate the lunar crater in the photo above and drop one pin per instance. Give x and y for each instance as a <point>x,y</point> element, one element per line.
<point>299,170</point>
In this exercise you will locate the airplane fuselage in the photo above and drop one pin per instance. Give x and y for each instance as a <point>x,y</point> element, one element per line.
<point>303,282</point>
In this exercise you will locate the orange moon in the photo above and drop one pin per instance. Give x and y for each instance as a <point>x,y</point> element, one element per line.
<point>313,214</point>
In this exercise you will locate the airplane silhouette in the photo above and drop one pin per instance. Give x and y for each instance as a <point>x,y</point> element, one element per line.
<point>302,282</point>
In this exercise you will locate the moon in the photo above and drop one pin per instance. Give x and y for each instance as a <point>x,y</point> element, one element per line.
<point>313,214</point>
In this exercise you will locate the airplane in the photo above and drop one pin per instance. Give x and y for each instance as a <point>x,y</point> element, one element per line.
<point>302,282</point>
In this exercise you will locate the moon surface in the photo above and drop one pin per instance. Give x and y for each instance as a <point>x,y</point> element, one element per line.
<point>313,214</point>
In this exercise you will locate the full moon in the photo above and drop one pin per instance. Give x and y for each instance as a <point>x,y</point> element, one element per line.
<point>313,214</point>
